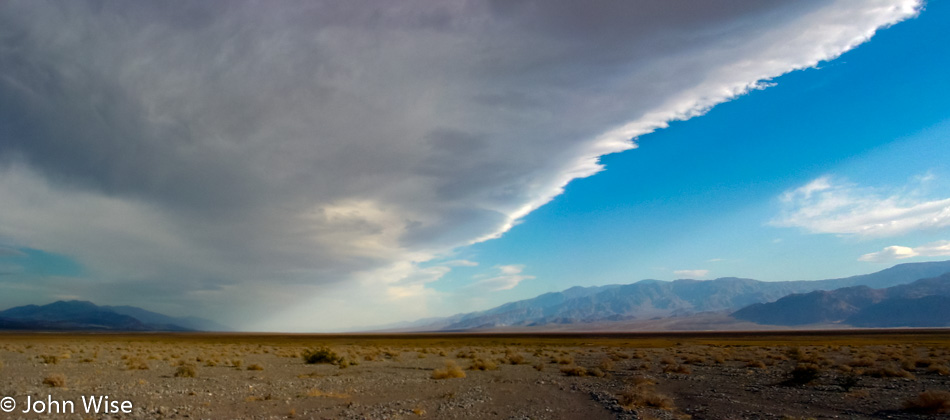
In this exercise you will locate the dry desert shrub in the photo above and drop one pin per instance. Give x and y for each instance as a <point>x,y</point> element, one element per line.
<point>186,371</point>
<point>321,355</point>
<point>938,369</point>
<point>574,370</point>
<point>757,364</point>
<point>392,354</point>
<point>514,358</point>
<point>643,394</point>
<point>803,374</point>
<point>56,380</point>
<point>846,382</point>
<point>451,370</point>
<point>862,362</point>
<point>929,402</point>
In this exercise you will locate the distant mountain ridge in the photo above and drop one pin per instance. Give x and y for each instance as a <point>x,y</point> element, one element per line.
<point>648,299</point>
<point>923,303</point>
<point>82,315</point>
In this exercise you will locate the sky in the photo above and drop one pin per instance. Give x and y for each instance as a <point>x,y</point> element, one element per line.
<point>323,166</point>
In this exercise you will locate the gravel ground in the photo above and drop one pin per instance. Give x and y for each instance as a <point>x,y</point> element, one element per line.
<point>256,379</point>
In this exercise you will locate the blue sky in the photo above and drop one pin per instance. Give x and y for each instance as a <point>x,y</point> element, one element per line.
<point>316,167</point>
<point>701,194</point>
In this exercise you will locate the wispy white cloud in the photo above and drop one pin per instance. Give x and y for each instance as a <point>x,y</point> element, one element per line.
<point>256,157</point>
<point>510,276</point>
<point>829,206</point>
<point>692,274</point>
<point>897,252</point>
<point>461,263</point>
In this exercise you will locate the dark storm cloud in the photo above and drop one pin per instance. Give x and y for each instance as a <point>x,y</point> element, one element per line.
<point>221,149</point>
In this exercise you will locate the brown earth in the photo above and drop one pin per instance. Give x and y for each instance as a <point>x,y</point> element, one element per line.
<point>840,374</point>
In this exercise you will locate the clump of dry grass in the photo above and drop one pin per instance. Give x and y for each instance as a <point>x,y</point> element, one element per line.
<point>482,364</point>
<point>186,371</point>
<point>675,368</point>
<point>451,370</point>
<point>693,360</point>
<point>136,364</point>
<point>56,380</point>
<point>859,394</point>
<point>889,372</point>
<point>318,393</point>
<point>929,402</point>
<point>563,360</point>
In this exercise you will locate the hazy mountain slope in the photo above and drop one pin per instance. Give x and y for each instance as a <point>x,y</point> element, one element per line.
<point>927,311</point>
<point>914,304</point>
<point>813,307</point>
<point>81,315</point>
<point>155,318</point>
<point>71,315</point>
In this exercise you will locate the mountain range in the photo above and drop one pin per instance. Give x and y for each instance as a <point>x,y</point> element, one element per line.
<point>655,299</point>
<point>86,316</point>
<point>923,303</point>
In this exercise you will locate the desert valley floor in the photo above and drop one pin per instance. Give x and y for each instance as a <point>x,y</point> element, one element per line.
<point>783,375</point>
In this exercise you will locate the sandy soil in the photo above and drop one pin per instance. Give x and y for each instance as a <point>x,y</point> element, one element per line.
<point>525,377</point>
